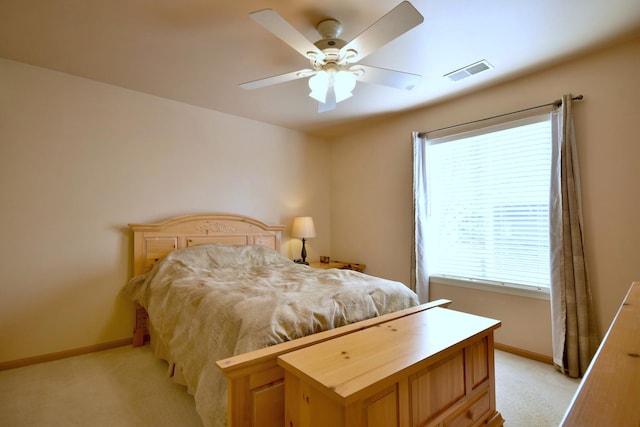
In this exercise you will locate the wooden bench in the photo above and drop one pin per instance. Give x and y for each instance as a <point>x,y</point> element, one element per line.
<point>255,381</point>
<point>433,368</point>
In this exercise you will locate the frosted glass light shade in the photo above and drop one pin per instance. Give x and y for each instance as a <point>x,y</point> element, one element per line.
<point>343,83</point>
<point>319,85</point>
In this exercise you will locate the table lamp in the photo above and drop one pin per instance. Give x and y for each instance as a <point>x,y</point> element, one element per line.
<point>304,229</point>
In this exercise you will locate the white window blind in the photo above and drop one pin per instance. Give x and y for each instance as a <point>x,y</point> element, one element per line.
<point>488,203</point>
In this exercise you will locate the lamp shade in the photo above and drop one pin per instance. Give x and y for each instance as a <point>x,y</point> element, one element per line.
<point>303,227</point>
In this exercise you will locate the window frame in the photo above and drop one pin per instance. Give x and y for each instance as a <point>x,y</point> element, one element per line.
<point>522,118</point>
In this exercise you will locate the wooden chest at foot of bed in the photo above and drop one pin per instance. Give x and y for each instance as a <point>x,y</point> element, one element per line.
<point>433,368</point>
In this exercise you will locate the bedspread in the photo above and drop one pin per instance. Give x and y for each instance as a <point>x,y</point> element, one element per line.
<point>214,301</point>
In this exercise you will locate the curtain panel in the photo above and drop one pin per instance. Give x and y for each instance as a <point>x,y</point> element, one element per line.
<point>420,275</point>
<point>574,334</point>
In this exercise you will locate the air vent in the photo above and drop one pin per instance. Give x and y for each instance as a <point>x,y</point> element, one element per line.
<point>469,70</point>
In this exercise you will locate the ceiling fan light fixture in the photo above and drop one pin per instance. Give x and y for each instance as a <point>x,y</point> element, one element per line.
<point>343,82</point>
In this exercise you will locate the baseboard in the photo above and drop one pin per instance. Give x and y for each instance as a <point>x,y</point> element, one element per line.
<point>11,364</point>
<point>525,353</point>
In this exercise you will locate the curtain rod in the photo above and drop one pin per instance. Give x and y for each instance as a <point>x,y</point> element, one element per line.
<point>556,103</point>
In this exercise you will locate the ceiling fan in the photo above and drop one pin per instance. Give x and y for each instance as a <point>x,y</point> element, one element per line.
<point>334,62</point>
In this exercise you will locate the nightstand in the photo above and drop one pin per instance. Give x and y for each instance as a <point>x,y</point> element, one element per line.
<point>339,264</point>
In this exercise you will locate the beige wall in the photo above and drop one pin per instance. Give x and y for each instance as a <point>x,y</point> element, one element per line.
<point>371,186</point>
<point>79,160</point>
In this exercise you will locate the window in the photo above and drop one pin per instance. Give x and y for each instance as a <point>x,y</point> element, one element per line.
<point>488,204</point>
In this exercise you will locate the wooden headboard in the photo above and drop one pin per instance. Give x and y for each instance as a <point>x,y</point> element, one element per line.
<point>152,242</point>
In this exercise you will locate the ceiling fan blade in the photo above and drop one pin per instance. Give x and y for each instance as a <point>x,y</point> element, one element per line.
<point>391,78</point>
<point>398,21</point>
<point>273,22</point>
<point>281,78</point>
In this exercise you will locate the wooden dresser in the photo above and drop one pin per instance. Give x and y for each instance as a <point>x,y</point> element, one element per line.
<point>609,394</point>
<point>433,368</point>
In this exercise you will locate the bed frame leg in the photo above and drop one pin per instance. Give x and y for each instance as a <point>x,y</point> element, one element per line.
<point>140,327</point>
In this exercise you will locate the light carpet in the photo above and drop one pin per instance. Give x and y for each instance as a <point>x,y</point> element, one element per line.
<point>530,393</point>
<point>128,386</point>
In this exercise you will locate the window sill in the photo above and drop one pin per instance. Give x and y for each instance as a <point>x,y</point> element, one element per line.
<point>491,287</point>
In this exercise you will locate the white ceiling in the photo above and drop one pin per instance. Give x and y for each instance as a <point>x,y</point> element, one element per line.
<point>198,51</point>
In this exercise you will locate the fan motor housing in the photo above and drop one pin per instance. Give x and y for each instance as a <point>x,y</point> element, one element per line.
<point>330,30</point>
<point>330,44</point>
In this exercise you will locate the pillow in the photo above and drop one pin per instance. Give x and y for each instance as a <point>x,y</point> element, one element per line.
<point>214,255</point>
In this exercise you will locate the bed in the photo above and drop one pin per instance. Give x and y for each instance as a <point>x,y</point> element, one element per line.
<point>263,307</point>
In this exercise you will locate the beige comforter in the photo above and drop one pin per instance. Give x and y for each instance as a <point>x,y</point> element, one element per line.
<point>210,302</point>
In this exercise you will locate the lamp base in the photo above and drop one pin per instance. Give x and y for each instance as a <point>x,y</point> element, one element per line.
<point>303,254</point>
